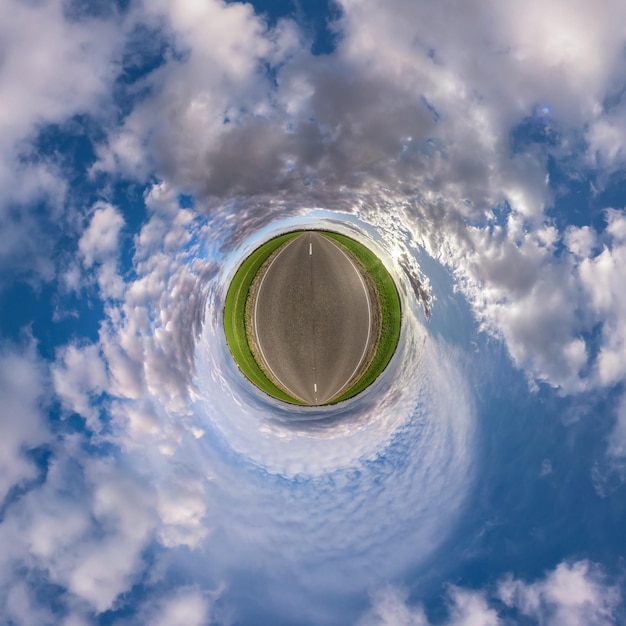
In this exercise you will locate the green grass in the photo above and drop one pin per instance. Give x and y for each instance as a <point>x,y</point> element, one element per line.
<point>235,318</point>
<point>391,314</point>
<point>235,314</point>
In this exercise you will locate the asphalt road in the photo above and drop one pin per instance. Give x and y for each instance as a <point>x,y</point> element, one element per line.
<point>312,318</point>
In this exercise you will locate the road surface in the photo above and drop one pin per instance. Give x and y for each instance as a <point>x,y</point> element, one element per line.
<point>311,318</point>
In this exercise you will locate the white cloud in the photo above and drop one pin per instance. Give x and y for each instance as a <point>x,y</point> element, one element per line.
<point>181,505</point>
<point>523,294</point>
<point>107,566</point>
<point>100,241</point>
<point>90,543</point>
<point>148,339</point>
<point>581,242</point>
<point>465,608</point>
<point>602,277</point>
<point>187,606</point>
<point>23,609</point>
<point>390,608</point>
<point>470,608</point>
<point>79,374</point>
<point>137,420</point>
<point>22,389</point>
<point>549,54</point>
<point>83,529</point>
<point>545,306</point>
<point>86,528</point>
<point>531,54</point>
<point>99,245</point>
<point>53,68</point>
<point>314,126</point>
<point>575,594</point>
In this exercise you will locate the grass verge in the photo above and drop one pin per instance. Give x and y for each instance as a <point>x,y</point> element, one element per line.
<point>234,318</point>
<point>391,314</point>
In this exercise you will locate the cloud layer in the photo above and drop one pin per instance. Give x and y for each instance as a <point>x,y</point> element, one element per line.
<point>146,149</point>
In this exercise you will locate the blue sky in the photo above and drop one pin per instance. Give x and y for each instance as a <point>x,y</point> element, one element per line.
<point>478,147</point>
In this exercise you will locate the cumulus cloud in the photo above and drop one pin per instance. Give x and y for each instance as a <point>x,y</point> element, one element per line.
<point>107,566</point>
<point>573,593</point>
<point>204,93</point>
<point>389,606</point>
<point>99,245</point>
<point>24,428</point>
<point>466,608</point>
<point>409,117</point>
<point>85,529</point>
<point>187,606</point>
<point>53,67</point>
<point>601,276</point>
<point>149,340</point>
<point>69,539</point>
<point>79,375</point>
<point>22,607</point>
<point>181,505</point>
<point>525,295</point>
<point>99,242</point>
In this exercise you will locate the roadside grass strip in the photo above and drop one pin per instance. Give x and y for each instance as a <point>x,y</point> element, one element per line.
<point>235,314</point>
<point>391,314</point>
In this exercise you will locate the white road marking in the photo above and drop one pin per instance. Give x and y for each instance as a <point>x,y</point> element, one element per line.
<point>310,249</point>
<point>315,387</point>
